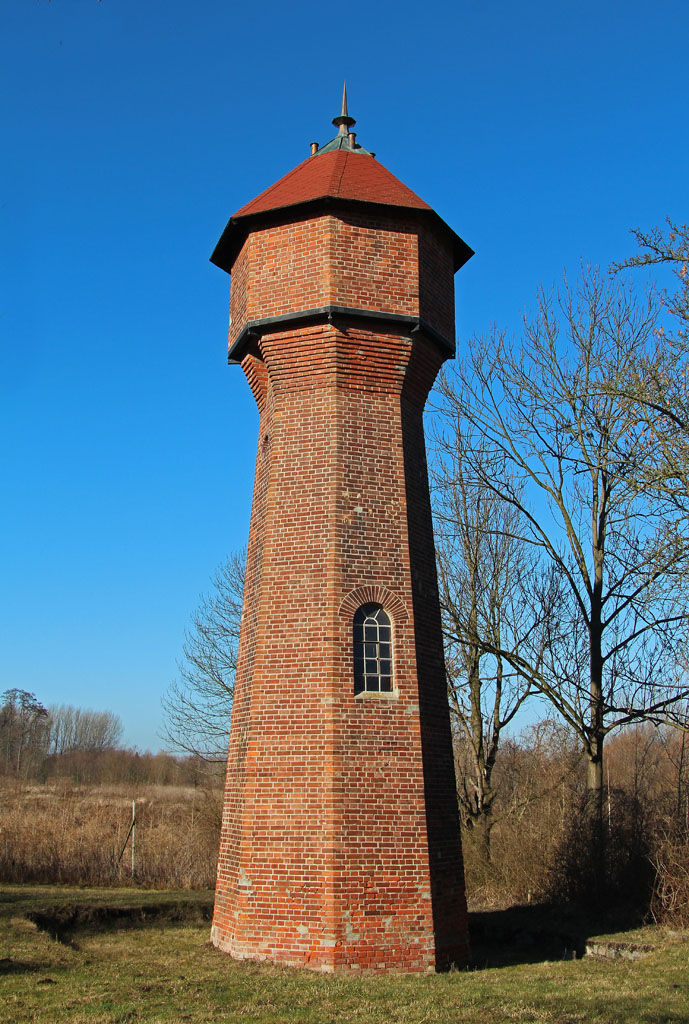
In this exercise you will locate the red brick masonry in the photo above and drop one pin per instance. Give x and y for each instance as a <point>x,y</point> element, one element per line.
<point>340,843</point>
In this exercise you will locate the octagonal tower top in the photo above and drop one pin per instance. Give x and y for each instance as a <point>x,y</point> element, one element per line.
<point>337,173</point>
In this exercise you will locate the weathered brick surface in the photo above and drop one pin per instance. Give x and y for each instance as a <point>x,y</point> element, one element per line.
<point>340,840</point>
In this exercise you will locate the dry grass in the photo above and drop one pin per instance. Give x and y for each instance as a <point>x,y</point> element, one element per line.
<point>66,834</point>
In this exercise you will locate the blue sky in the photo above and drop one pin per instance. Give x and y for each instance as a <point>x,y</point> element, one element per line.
<point>132,130</point>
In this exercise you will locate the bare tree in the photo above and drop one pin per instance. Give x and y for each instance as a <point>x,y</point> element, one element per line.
<point>656,383</point>
<point>485,572</point>
<point>198,706</point>
<point>563,454</point>
<point>666,248</point>
<point>23,730</point>
<point>81,730</point>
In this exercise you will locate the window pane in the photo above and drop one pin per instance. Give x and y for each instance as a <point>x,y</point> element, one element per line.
<point>372,650</point>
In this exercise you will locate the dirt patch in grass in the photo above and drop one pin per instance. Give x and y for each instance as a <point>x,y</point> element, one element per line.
<point>62,922</point>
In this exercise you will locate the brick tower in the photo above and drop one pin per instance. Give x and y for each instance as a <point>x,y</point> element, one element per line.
<point>340,842</point>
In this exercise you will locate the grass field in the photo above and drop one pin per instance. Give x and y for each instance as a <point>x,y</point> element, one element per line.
<point>118,955</point>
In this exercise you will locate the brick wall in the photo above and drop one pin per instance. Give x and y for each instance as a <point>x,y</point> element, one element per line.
<point>340,841</point>
<point>376,261</point>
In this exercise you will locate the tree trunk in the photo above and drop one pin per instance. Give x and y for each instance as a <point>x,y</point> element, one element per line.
<point>594,774</point>
<point>482,830</point>
<point>594,818</point>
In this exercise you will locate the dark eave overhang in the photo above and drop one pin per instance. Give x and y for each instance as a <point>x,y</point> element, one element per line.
<point>238,228</point>
<point>394,323</point>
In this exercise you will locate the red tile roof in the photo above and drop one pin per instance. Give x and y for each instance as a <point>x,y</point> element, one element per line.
<point>339,174</point>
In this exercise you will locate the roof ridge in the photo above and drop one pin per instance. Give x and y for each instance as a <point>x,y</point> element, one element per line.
<point>344,164</point>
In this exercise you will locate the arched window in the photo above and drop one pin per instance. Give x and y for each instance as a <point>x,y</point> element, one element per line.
<point>372,650</point>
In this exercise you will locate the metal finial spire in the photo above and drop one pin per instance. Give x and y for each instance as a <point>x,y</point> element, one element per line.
<point>344,122</point>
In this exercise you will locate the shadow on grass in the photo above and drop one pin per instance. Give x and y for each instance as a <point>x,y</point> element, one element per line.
<point>526,934</point>
<point>536,933</point>
<point>10,966</point>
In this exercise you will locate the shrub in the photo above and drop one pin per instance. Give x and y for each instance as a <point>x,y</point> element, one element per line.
<point>670,903</point>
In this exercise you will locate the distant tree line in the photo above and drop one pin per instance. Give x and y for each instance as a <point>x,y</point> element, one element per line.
<point>60,741</point>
